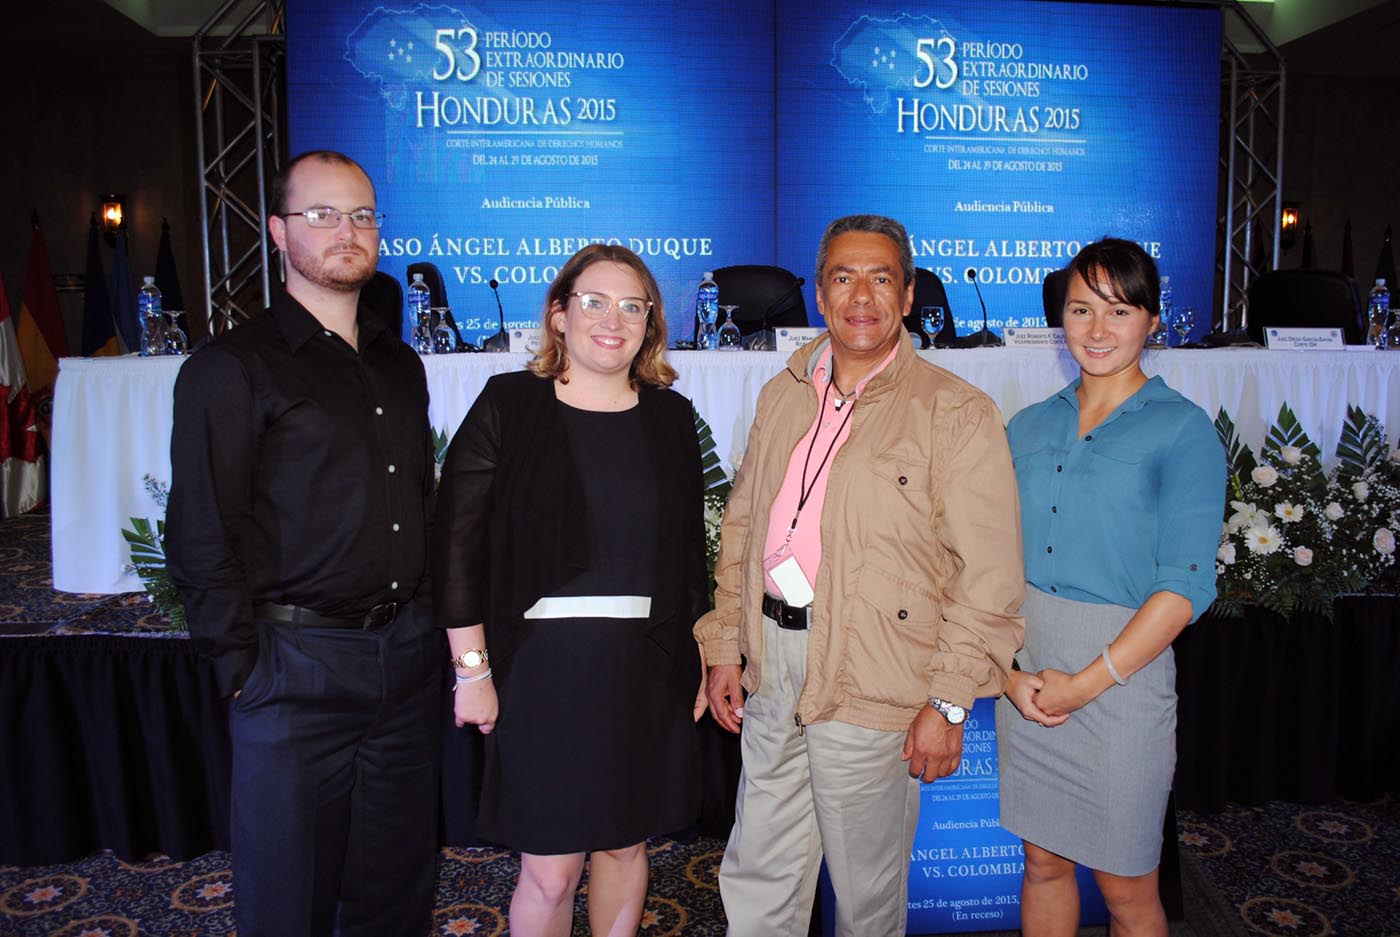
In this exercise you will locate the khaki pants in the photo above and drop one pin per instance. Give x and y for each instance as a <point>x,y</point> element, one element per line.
<point>834,789</point>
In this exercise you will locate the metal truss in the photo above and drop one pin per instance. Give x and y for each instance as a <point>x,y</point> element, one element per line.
<point>240,80</point>
<point>1251,169</point>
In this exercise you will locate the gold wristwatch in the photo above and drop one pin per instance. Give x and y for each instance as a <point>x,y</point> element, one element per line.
<point>470,659</point>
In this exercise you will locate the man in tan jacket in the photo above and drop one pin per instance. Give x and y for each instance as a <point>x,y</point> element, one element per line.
<point>868,588</point>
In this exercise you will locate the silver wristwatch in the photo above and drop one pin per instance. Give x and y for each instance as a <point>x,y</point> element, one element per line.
<point>954,713</point>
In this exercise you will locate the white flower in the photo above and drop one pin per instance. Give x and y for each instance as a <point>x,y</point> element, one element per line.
<point>1361,491</point>
<point>1263,540</point>
<point>1264,476</point>
<point>1291,455</point>
<point>1288,512</point>
<point>1247,514</point>
<point>1384,541</point>
<point>1333,511</point>
<point>1302,556</point>
<point>1226,553</point>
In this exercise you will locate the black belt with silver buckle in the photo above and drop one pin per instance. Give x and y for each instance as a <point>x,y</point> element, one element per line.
<point>793,619</point>
<point>377,617</point>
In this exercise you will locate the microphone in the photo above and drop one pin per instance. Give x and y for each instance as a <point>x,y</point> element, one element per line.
<point>499,341</point>
<point>759,337</point>
<point>985,338</point>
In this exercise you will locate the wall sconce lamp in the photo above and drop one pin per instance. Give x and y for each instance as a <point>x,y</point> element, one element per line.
<point>1288,225</point>
<point>113,216</point>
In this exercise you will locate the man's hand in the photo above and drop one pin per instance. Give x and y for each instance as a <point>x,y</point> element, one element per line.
<point>702,701</point>
<point>726,695</point>
<point>1023,689</point>
<point>476,704</point>
<point>932,747</point>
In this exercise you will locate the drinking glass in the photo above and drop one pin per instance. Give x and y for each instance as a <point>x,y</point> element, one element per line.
<point>444,341</point>
<point>422,334</point>
<point>729,338</point>
<point>176,341</point>
<point>931,318</point>
<point>1184,321</point>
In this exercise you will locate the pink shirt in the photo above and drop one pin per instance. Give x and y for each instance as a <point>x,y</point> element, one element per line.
<point>832,427</point>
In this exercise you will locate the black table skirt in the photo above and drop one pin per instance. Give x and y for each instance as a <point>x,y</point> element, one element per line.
<point>122,742</point>
<point>1300,709</point>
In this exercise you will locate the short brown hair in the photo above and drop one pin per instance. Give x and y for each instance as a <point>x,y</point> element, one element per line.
<point>281,183</point>
<point>650,365</point>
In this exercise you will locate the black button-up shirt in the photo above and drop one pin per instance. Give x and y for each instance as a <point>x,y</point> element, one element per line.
<point>302,474</point>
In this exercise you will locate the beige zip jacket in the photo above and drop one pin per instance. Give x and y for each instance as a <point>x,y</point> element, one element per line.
<point>921,580</point>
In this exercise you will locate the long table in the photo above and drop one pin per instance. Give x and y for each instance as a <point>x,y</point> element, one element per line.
<point>112,417</point>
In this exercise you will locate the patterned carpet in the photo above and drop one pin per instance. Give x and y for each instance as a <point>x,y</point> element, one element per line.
<point>1281,870</point>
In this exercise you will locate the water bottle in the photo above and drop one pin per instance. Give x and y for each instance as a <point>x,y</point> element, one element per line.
<point>706,309</point>
<point>149,308</point>
<point>1378,313</point>
<point>1158,338</point>
<point>420,314</point>
<point>729,338</point>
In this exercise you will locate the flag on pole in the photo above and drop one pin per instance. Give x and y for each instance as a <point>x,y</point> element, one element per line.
<point>168,278</point>
<point>23,485</point>
<point>39,328</point>
<point>99,335</point>
<point>123,298</point>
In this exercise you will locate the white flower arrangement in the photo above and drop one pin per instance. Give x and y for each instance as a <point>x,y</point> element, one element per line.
<point>1295,535</point>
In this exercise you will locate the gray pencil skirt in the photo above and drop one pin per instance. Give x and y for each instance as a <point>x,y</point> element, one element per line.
<point>1093,789</point>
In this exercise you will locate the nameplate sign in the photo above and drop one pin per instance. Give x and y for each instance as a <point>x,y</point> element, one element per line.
<point>1304,339</point>
<point>1033,338</point>
<point>523,340</point>
<point>791,339</point>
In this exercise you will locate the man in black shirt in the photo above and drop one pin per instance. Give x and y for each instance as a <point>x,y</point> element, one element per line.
<point>297,532</point>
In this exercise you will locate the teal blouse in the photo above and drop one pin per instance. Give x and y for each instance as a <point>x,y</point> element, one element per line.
<point>1131,508</point>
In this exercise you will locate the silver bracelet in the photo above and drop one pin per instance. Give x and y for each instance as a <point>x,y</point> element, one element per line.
<point>1107,662</point>
<point>461,680</point>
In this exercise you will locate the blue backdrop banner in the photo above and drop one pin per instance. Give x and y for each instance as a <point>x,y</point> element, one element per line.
<point>504,136</point>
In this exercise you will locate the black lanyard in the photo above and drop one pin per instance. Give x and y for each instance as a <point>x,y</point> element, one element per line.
<point>804,491</point>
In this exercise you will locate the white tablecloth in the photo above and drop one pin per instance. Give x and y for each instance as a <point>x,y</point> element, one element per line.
<point>112,417</point>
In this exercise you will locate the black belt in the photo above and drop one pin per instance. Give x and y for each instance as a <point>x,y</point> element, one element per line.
<point>377,617</point>
<point>793,619</point>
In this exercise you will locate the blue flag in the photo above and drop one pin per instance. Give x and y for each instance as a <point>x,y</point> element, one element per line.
<point>99,335</point>
<point>123,298</point>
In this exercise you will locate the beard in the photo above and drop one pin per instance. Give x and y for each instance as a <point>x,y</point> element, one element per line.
<point>331,269</point>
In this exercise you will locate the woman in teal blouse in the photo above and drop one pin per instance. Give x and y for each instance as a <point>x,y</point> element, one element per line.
<point>1122,485</point>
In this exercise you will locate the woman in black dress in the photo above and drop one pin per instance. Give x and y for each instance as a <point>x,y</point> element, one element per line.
<point>569,567</point>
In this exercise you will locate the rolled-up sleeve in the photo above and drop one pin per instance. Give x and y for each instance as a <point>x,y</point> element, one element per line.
<point>981,530</point>
<point>1190,506</point>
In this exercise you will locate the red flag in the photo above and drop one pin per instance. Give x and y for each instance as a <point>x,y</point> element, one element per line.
<point>39,329</point>
<point>23,485</point>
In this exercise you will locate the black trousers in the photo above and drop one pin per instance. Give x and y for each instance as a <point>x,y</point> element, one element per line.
<point>335,773</point>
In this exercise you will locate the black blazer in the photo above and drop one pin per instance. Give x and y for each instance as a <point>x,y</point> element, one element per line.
<point>510,527</point>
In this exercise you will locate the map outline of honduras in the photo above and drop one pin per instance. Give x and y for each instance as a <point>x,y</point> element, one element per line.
<point>877,55</point>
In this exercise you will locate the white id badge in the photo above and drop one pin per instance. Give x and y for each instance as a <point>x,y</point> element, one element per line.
<point>792,582</point>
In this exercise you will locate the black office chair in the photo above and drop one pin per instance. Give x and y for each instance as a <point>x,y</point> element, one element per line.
<point>1306,299</point>
<point>1052,296</point>
<point>767,297</point>
<point>929,291</point>
<point>384,295</point>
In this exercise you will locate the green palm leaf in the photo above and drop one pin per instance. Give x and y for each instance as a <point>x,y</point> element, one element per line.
<point>1362,446</point>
